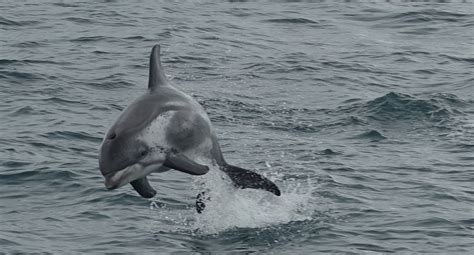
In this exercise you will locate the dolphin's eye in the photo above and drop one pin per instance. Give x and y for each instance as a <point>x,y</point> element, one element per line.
<point>112,136</point>
<point>143,153</point>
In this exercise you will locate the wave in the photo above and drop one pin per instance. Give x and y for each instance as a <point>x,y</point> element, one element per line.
<point>436,110</point>
<point>28,44</point>
<point>61,4</point>
<point>97,38</point>
<point>469,60</point>
<point>62,101</point>
<point>69,135</point>
<point>108,83</point>
<point>20,76</point>
<point>27,110</point>
<point>79,20</point>
<point>29,61</point>
<point>398,107</point>
<point>409,18</point>
<point>274,117</point>
<point>6,242</point>
<point>372,135</point>
<point>9,22</point>
<point>292,21</point>
<point>36,175</point>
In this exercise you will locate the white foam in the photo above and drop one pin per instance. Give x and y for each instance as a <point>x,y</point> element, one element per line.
<point>231,208</point>
<point>249,208</point>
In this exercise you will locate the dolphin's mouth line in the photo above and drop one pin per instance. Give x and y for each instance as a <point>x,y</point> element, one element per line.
<point>113,180</point>
<point>128,174</point>
<point>124,176</point>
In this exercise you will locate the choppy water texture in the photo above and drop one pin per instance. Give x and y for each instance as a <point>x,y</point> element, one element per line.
<point>363,114</point>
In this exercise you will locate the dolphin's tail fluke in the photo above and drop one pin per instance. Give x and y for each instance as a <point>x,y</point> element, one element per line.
<point>247,179</point>
<point>242,178</point>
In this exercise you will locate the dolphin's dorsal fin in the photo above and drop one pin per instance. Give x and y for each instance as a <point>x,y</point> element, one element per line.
<point>157,75</point>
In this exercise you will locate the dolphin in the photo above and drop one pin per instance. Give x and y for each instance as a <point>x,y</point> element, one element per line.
<point>166,129</point>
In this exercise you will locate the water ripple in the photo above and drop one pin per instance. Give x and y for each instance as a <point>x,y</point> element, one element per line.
<point>361,113</point>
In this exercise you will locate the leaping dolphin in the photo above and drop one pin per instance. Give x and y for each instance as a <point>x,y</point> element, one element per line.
<point>161,130</point>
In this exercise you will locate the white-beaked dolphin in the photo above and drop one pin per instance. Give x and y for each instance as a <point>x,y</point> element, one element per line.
<point>161,130</point>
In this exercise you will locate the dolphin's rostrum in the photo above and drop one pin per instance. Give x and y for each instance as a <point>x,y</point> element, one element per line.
<point>161,130</point>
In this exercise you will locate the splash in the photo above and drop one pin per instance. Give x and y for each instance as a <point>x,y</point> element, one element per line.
<point>230,207</point>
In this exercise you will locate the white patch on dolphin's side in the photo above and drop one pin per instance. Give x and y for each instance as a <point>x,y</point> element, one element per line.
<point>154,136</point>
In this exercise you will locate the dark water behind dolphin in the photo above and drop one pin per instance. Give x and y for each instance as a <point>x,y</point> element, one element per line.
<point>362,113</point>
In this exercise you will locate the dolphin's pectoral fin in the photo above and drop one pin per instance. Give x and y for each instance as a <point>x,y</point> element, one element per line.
<point>182,163</point>
<point>243,178</point>
<point>143,187</point>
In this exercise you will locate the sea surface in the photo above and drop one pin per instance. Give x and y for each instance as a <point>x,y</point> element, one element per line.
<point>361,112</point>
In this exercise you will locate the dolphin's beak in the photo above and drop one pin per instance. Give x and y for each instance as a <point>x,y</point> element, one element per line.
<point>116,179</point>
<point>110,183</point>
<point>131,173</point>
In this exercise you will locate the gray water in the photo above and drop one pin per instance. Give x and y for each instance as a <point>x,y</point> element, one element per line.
<point>362,113</point>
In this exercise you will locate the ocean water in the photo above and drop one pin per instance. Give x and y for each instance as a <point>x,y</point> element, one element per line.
<point>362,112</point>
